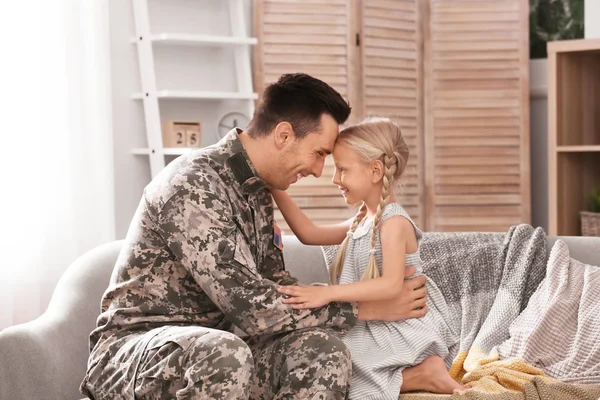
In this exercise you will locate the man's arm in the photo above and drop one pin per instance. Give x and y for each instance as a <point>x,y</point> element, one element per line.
<point>273,270</point>
<point>199,230</point>
<point>410,303</point>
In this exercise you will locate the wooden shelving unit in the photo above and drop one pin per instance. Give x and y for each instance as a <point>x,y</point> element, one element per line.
<point>150,94</point>
<point>573,131</point>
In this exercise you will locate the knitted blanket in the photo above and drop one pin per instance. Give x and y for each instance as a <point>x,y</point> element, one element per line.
<point>507,356</point>
<point>534,390</point>
<point>559,331</point>
<point>486,279</point>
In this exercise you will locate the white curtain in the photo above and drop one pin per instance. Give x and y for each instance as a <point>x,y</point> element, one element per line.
<point>56,154</point>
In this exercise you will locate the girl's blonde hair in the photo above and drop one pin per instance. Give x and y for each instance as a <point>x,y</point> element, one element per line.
<point>373,139</point>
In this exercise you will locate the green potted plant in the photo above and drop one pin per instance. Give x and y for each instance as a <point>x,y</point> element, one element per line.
<point>551,20</point>
<point>590,220</point>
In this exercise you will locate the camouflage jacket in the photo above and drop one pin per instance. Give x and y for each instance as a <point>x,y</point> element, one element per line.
<point>200,250</point>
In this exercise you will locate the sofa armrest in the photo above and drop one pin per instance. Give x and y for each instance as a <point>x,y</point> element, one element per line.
<point>47,358</point>
<point>41,360</point>
<point>585,249</point>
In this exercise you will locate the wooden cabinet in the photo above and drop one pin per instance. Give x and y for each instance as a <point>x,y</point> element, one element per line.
<point>573,131</point>
<point>452,73</point>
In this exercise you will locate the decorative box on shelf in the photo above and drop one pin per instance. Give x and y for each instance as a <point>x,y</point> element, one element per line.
<point>590,223</point>
<point>590,219</point>
<point>181,134</point>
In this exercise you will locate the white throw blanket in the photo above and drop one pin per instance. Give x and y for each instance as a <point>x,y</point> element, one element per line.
<point>559,331</point>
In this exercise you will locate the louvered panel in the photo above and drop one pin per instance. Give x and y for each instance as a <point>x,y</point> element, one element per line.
<point>478,27</point>
<point>507,152</point>
<point>314,37</point>
<point>449,7</point>
<point>398,64</point>
<point>477,142</point>
<point>460,170</point>
<point>470,132</point>
<point>474,37</point>
<point>303,18</point>
<point>474,55</point>
<point>300,36</point>
<point>468,190</point>
<point>439,16</point>
<point>481,179</point>
<point>280,29</point>
<point>445,160</point>
<point>392,83</point>
<point>468,94</point>
<point>477,84</point>
<point>479,123</point>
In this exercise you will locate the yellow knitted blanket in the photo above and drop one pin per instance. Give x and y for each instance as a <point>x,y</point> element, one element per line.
<point>486,377</point>
<point>488,374</point>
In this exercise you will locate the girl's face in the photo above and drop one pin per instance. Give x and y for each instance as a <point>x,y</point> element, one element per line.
<point>356,178</point>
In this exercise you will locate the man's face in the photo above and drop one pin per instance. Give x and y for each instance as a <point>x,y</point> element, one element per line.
<point>305,156</point>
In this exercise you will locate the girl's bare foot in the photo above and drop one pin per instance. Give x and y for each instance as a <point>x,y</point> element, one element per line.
<point>431,375</point>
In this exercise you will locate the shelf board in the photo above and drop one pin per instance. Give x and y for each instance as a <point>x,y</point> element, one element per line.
<point>560,46</point>
<point>208,95</point>
<point>201,40</point>
<point>578,149</point>
<point>168,151</point>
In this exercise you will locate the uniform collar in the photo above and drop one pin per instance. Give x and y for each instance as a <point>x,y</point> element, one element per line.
<point>239,163</point>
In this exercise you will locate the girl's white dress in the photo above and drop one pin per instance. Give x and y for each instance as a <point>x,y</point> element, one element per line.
<point>381,350</point>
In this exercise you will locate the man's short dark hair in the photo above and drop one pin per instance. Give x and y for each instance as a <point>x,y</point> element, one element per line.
<point>299,99</point>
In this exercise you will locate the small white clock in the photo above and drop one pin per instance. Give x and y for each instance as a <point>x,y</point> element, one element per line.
<point>232,120</point>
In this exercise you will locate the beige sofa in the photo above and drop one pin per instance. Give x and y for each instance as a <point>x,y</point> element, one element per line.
<point>46,358</point>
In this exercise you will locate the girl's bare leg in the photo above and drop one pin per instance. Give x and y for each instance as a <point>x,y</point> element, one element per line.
<point>431,375</point>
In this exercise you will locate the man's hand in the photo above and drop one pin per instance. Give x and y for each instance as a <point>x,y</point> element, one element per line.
<point>306,296</point>
<point>410,303</point>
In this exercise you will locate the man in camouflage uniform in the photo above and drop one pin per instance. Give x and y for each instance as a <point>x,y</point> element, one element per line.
<point>200,262</point>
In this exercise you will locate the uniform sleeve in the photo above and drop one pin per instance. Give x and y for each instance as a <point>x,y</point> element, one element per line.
<point>200,232</point>
<point>272,269</point>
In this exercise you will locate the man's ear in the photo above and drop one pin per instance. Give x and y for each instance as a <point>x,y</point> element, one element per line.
<point>283,134</point>
<point>377,171</point>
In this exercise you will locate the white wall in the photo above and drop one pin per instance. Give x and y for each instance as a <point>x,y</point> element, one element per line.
<point>538,126</point>
<point>592,19</point>
<point>182,67</point>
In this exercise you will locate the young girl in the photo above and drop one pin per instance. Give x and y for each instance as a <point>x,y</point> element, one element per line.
<point>376,246</point>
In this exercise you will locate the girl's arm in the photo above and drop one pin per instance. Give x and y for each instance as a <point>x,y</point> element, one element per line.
<point>306,231</point>
<point>395,233</point>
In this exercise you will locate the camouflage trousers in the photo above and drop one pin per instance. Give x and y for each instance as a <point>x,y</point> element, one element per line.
<point>311,363</point>
<point>200,363</point>
<point>175,362</point>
